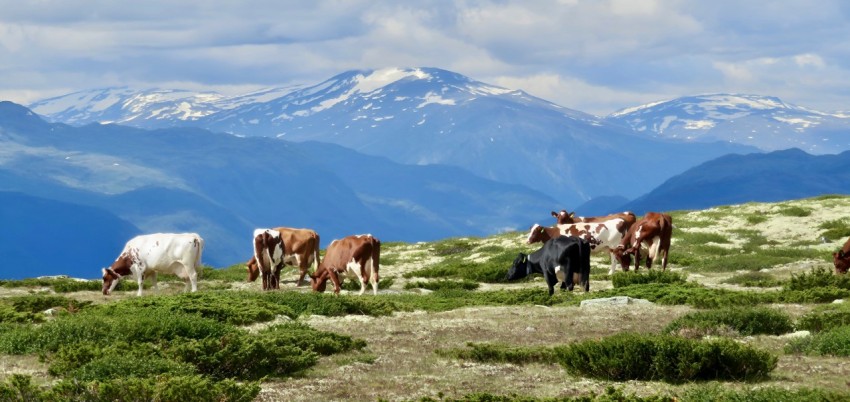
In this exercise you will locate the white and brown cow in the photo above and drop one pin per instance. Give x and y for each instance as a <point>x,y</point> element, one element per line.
<point>356,257</point>
<point>300,249</point>
<point>568,218</point>
<point>602,236</point>
<point>841,258</point>
<point>146,255</point>
<point>268,257</point>
<point>654,231</point>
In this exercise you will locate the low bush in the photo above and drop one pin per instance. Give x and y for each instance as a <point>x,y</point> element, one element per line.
<point>824,318</point>
<point>754,279</point>
<point>442,284</point>
<point>837,229</point>
<point>39,303</point>
<point>818,277</point>
<point>795,211</point>
<point>623,279</point>
<point>498,353</point>
<point>353,285</point>
<point>745,321</point>
<point>10,315</point>
<point>492,270</point>
<point>629,356</point>
<point>832,342</point>
<point>611,394</point>
<point>714,393</point>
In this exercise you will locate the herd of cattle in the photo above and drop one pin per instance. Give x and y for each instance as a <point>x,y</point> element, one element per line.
<point>564,257</point>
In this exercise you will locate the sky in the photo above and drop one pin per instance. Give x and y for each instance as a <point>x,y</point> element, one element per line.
<point>596,56</point>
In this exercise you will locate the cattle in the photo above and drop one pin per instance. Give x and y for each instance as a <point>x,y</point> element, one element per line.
<point>602,236</point>
<point>300,249</point>
<point>268,257</point>
<point>356,257</point>
<point>559,260</point>
<point>147,255</point>
<point>567,218</point>
<point>841,258</point>
<point>654,231</point>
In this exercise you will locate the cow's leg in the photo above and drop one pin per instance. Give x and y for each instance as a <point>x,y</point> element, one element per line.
<point>140,278</point>
<point>551,281</point>
<point>153,281</point>
<point>613,262</point>
<point>335,279</point>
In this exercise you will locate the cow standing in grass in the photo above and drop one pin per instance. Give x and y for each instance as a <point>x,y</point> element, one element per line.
<point>146,255</point>
<point>561,259</point>
<point>300,249</point>
<point>356,257</point>
<point>654,231</point>
<point>841,258</point>
<point>602,236</point>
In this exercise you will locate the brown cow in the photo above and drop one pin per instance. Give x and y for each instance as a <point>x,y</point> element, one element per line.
<point>653,230</point>
<point>268,257</point>
<point>841,259</point>
<point>567,218</point>
<point>356,256</point>
<point>301,249</point>
<point>601,236</point>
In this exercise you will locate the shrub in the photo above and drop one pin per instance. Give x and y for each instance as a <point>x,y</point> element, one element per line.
<point>623,279</point>
<point>492,270</point>
<point>837,229</point>
<point>611,394</point>
<point>825,318</point>
<point>353,285</point>
<point>833,342</point>
<point>443,284</point>
<point>9,314</point>
<point>715,393</point>
<point>746,321</point>
<point>489,353</point>
<point>818,277</point>
<point>794,210</point>
<point>629,356</point>
<point>238,308</point>
<point>39,303</point>
<point>754,279</point>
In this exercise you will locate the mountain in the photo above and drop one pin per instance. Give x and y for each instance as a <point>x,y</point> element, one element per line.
<point>429,116</point>
<point>736,179</point>
<point>222,186</point>
<point>764,122</point>
<point>48,237</point>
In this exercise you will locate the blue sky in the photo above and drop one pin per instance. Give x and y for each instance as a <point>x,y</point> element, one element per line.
<point>594,56</point>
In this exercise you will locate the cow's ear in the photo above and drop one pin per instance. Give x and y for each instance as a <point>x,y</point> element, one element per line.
<point>103,271</point>
<point>572,214</point>
<point>841,254</point>
<point>542,230</point>
<point>555,214</point>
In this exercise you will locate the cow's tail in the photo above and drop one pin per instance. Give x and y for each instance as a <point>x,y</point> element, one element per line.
<point>316,251</point>
<point>199,243</point>
<point>376,259</point>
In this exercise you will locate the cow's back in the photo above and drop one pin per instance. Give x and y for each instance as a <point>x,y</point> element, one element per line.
<point>168,252</point>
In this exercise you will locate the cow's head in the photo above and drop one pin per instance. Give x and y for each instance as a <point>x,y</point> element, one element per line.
<point>519,269</point>
<point>623,256</point>
<point>319,280</point>
<point>253,269</point>
<point>110,280</point>
<point>537,233</point>
<point>841,261</point>
<point>564,217</point>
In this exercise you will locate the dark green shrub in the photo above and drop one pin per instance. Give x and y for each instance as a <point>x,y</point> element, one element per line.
<point>9,314</point>
<point>754,279</point>
<point>715,393</point>
<point>746,321</point>
<point>39,303</point>
<point>818,277</point>
<point>452,246</point>
<point>610,394</point>
<point>824,318</point>
<point>796,211</point>
<point>353,285</point>
<point>190,388</point>
<point>70,285</point>
<point>629,356</point>
<point>837,229</point>
<point>832,342</point>
<point>87,361</point>
<point>443,284</point>
<point>493,270</point>
<point>490,353</point>
<point>238,308</point>
<point>623,279</point>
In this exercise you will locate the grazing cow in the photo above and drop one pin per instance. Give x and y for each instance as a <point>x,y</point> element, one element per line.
<point>166,253</point>
<point>841,258</point>
<point>300,249</point>
<point>268,257</point>
<point>559,260</point>
<point>356,256</point>
<point>654,231</point>
<point>567,218</point>
<point>602,236</point>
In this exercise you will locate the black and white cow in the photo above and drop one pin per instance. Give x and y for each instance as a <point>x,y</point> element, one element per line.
<point>558,260</point>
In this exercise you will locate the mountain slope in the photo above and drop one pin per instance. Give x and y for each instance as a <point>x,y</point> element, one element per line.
<point>735,179</point>
<point>762,121</point>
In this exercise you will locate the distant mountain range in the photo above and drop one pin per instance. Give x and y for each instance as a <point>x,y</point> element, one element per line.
<point>425,116</point>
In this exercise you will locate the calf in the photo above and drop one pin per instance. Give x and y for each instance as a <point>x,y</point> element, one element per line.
<point>300,249</point>
<point>356,256</point>
<point>654,231</point>
<point>602,236</point>
<point>145,256</point>
<point>841,259</point>
<point>559,260</point>
<point>268,257</point>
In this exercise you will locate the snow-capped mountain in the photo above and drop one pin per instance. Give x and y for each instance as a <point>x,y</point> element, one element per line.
<point>762,121</point>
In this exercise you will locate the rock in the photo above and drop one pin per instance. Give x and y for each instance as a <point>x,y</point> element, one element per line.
<point>614,301</point>
<point>798,334</point>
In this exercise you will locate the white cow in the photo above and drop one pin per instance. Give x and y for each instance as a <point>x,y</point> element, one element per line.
<point>146,255</point>
<point>605,235</point>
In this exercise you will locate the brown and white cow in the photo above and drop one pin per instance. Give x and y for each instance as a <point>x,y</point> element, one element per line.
<point>602,236</point>
<point>146,255</point>
<point>654,231</point>
<point>568,218</point>
<point>300,249</point>
<point>356,257</point>
<point>268,257</point>
<point>841,258</point>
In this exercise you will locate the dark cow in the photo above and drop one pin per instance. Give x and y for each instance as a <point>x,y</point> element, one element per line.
<point>268,257</point>
<point>841,258</point>
<point>602,236</point>
<point>559,260</point>
<point>356,256</point>
<point>567,218</point>
<point>654,231</point>
<point>300,249</point>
